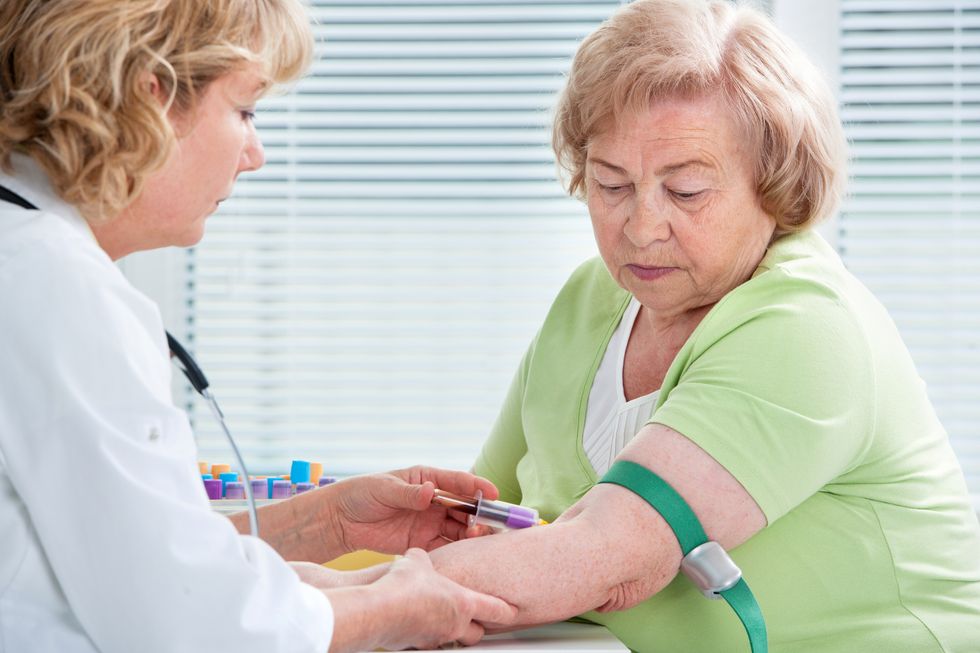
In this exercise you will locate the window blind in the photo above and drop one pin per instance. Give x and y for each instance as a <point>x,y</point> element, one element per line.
<point>365,298</point>
<point>910,97</point>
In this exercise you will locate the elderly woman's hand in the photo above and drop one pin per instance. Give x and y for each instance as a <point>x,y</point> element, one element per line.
<point>392,512</point>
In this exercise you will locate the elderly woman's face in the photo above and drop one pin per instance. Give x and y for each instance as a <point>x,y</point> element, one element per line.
<point>674,207</point>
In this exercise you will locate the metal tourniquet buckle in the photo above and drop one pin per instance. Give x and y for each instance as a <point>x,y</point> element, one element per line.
<point>711,569</point>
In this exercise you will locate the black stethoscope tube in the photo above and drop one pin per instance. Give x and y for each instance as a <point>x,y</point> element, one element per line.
<point>196,377</point>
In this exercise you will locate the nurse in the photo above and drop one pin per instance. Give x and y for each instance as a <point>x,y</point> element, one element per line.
<point>123,125</point>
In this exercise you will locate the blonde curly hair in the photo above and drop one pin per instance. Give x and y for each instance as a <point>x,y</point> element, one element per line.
<point>73,81</point>
<point>652,50</point>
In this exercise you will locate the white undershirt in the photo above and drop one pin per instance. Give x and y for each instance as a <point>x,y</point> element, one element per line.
<point>610,420</point>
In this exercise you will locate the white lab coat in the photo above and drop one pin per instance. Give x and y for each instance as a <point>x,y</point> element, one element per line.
<point>107,540</point>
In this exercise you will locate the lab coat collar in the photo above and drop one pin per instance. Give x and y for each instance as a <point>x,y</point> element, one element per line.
<point>28,180</point>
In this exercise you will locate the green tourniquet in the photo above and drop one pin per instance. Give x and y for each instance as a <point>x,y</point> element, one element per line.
<point>747,608</point>
<point>798,383</point>
<point>665,500</point>
<point>690,535</point>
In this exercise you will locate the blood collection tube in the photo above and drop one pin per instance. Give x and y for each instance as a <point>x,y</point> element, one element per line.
<point>304,487</point>
<point>498,514</point>
<point>260,489</point>
<point>234,490</point>
<point>213,487</point>
<point>281,489</point>
<point>316,471</point>
<point>299,471</point>
<point>270,481</point>
<point>226,478</point>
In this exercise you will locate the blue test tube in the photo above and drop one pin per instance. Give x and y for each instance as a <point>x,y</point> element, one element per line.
<point>225,478</point>
<point>299,471</point>
<point>270,481</point>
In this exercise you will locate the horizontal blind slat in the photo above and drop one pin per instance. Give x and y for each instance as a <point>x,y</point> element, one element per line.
<point>365,297</point>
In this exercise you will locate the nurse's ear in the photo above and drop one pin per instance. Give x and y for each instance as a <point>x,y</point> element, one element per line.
<point>150,85</point>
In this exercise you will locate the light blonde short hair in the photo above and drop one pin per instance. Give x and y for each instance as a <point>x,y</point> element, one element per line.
<point>73,81</point>
<point>653,50</point>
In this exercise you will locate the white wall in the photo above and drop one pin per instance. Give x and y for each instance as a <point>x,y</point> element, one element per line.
<point>815,26</point>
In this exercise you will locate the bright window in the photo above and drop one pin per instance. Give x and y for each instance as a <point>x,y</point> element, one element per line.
<point>365,298</point>
<point>910,96</point>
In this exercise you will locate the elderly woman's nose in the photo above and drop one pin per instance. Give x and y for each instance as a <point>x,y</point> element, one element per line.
<point>648,220</point>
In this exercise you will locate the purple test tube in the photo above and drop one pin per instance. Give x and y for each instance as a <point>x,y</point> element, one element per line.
<point>521,517</point>
<point>281,489</point>
<point>304,487</point>
<point>500,514</point>
<point>213,487</point>
<point>234,490</point>
<point>260,489</point>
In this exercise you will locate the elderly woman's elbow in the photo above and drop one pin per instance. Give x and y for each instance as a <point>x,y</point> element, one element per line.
<point>639,552</point>
<point>630,593</point>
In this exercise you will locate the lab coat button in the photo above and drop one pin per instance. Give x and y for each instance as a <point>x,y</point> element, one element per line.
<point>154,434</point>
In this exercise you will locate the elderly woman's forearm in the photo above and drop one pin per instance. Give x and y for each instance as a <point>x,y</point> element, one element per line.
<point>558,571</point>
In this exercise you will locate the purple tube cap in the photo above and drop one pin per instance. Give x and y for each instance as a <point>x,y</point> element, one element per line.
<point>304,487</point>
<point>281,489</point>
<point>234,490</point>
<point>213,487</point>
<point>260,489</point>
<point>521,517</point>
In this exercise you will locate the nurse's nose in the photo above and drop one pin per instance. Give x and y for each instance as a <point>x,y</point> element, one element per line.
<point>648,221</point>
<point>253,154</point>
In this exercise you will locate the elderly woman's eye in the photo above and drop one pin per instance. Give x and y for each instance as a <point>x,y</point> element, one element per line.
<point>614,188</point>
<point>686,195</point>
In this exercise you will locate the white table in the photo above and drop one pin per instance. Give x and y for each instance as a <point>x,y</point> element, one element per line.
<point>554,637</point>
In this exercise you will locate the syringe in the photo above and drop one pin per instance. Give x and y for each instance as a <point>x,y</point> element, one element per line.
<point>498,514</point>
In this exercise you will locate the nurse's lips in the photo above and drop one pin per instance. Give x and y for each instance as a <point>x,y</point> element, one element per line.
<point>645,273</point>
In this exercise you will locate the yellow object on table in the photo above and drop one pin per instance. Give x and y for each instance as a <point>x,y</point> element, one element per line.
<point>358,560</point>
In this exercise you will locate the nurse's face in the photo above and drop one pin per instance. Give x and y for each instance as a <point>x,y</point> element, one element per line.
<point>216,142</point>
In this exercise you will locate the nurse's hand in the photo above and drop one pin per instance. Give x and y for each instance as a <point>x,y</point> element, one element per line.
<point>325,578</point>
<point>413,606</point>
<point>393,512</point>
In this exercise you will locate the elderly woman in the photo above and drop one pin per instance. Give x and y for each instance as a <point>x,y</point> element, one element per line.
<point>721,345</point>
<point>122,125</point>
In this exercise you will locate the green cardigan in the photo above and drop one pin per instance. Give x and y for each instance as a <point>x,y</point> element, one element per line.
<point>798,383</point>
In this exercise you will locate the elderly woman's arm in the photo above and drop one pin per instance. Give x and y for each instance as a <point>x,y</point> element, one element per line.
<point>610,550</point>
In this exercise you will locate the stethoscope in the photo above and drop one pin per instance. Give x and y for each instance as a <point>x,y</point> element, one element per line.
<point>193,372</point>
<point>199,382</point>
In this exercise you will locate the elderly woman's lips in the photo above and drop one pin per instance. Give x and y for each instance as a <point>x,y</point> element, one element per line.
<point>649,273</point>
